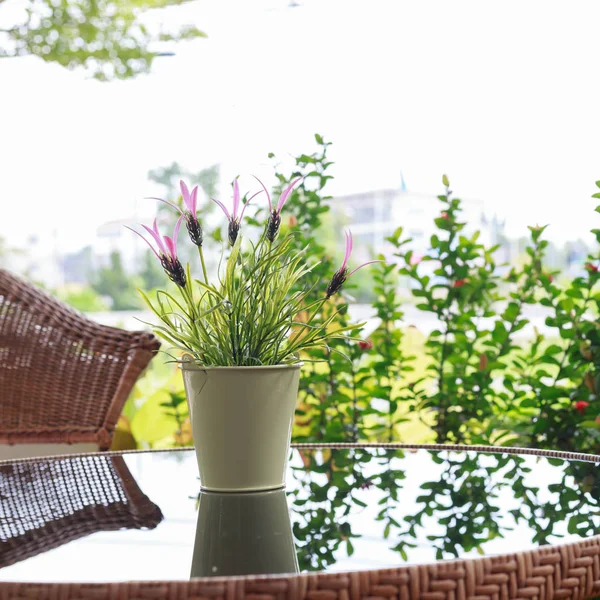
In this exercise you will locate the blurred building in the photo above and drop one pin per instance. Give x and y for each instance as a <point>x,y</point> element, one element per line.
<point>375,215</point>
<point>78,266</point>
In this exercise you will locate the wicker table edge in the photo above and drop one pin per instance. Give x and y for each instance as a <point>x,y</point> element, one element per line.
<point>552,571</point>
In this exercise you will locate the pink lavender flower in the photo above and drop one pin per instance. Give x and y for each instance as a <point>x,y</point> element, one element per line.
<point>274,221</point>
<point>190,199</point>
<point>342,274</point>
<point>233,218</point>
<point>166,251</point>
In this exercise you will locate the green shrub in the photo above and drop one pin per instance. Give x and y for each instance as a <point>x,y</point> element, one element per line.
<point>476,378</point>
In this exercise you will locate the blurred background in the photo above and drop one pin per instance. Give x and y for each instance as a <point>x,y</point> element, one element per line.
<point>104,104</point>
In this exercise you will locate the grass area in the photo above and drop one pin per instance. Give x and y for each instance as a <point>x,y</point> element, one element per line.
<point>416,429</point>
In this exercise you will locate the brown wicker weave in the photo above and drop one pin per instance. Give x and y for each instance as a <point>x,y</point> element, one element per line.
<point>562,571</point>
<point>63,378</point>
<point>62,500</point>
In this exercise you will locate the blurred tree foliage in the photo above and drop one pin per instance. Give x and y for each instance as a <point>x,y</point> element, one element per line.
<point>152,273</point>
<point>111,39</point>
<point>168,177</point>
<point>115,283</point>
<point>83,298</point>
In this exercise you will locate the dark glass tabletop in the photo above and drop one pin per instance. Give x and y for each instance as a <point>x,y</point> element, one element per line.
<point>142,516</point>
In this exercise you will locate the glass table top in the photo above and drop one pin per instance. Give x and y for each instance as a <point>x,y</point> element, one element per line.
<point>142,516</point>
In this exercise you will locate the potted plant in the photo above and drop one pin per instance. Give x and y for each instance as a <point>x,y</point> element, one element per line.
<point>242,341</point>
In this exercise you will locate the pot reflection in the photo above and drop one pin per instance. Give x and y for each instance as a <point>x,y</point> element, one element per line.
<point>243,534</point>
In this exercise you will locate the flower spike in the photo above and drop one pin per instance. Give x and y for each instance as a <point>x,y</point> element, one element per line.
<point>286,193</point>
<point>190,200</point>
<point>274,221</point>
<point>234,218</point>
<point>348,248</point>
<point>166,251</point>
<point>266,192</point>
<point>236,197</point>
<point>342,274</point>
<point>156,236</point>
<point>223,208</point>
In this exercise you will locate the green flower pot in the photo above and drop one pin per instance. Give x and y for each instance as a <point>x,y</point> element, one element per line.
<point>241,424</point>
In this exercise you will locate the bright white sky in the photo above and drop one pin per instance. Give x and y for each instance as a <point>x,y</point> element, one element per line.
<point>502,96</point>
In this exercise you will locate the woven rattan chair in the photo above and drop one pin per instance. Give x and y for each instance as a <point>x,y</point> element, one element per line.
<point>63,378</point>
<point>46,504</point>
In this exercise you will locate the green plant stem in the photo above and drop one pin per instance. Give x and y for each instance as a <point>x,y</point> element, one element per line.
<point>354,404</point>
<point>316,311</point>
<point>205,273</point>
<point>186,292</point>
<point>308,322</point>
<point>387,351</point>
<point>441,424</point>
<point>333,388</point>
<point>442,434</point>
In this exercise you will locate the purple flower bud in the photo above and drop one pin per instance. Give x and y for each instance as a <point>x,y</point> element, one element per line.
<point>234,219</point>
<point>167,251</point>
<point>273,225</point>
<point>194,229</point>
<point>342,274</point>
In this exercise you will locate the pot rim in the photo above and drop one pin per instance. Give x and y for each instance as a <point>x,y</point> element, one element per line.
<point>194,366</point>
<point>245,494</point>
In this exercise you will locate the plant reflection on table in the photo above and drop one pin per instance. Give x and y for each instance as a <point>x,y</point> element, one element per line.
<point>47,503</point>
<point>327,491</point>
<point>470,499</point>
<point>448,503</point>
<point>243,534</point>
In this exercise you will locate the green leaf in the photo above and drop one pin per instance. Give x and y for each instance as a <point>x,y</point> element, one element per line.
<point>150,423</point>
